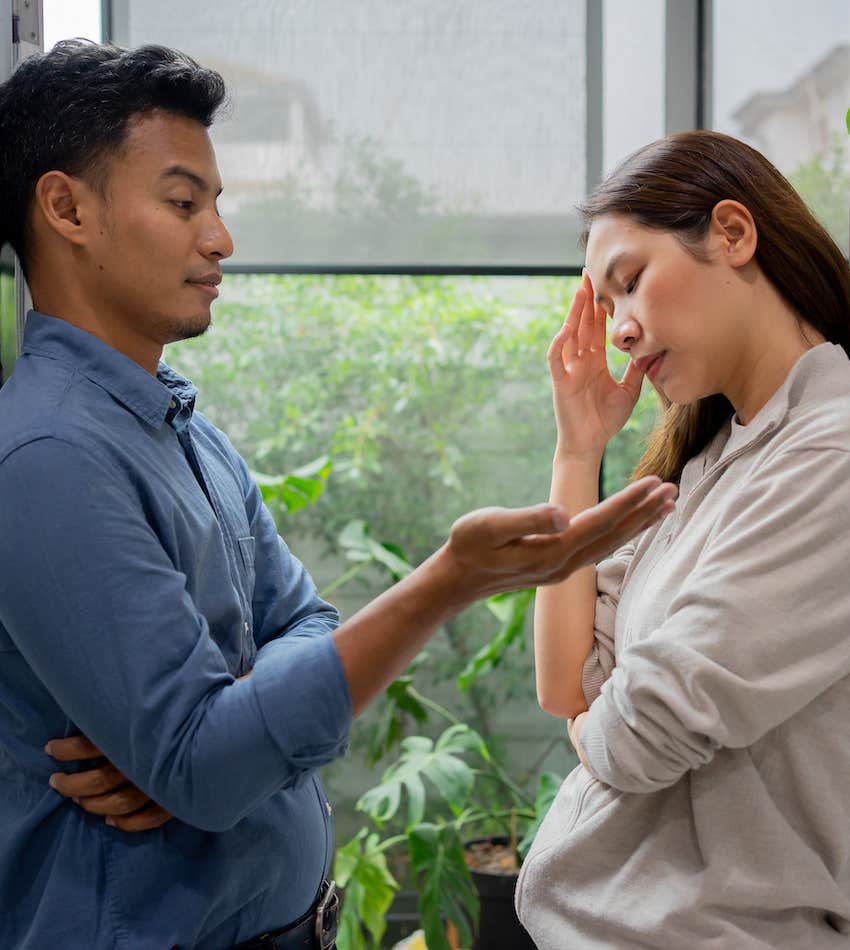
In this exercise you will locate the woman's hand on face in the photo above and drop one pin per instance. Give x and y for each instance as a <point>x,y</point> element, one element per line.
<point>590,405</point>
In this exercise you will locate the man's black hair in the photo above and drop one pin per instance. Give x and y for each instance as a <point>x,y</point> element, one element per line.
<point>68,110</point>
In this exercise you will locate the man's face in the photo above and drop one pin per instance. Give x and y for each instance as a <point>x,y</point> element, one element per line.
<point>155,255</point>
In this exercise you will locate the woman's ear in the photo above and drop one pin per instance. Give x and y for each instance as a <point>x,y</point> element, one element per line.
<point>734,232</point>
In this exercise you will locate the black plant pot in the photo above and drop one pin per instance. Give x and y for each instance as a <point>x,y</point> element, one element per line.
<point>498,926</point>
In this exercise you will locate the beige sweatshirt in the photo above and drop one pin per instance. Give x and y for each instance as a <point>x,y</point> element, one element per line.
<point>716,812</point>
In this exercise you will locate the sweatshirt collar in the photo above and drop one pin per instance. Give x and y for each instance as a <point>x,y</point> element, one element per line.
<point>819,374</point>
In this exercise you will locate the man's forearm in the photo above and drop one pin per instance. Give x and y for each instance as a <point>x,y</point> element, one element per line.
<point>381,639</point>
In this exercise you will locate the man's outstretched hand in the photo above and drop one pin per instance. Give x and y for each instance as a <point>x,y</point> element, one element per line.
<point>489,551</point>
<point>498,549</point>
<point>103,790</point>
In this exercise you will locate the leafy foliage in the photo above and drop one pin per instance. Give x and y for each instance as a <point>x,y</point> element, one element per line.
<point>824,183</point>
<point>361,870</point>
<point>511,609</point>
<point>421,758</point>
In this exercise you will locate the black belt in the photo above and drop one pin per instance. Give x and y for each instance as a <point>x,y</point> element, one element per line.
<point>316,930</point>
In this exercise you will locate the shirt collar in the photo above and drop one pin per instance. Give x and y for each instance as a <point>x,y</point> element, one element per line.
<point>150,398</point>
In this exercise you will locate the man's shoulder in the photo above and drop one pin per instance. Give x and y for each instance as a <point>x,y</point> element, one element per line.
<point>60,405</point>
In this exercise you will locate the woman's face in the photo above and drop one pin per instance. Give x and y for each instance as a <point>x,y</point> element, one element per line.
<point>674,314</point>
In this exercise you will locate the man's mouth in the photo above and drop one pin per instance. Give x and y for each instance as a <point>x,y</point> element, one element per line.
<point>206,285</point>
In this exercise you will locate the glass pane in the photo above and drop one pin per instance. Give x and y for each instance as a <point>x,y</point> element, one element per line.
<point>377,133</point>
<point>629,120</point>
<point>64,19</point>
<point>782,83</point>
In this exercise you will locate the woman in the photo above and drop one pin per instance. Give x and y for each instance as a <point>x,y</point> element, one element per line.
<point>706,666</point>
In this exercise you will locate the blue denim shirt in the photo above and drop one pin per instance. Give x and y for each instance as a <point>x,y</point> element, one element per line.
<point>140,574</point>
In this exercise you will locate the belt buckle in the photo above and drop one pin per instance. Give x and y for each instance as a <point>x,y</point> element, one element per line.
<point>326,917</point>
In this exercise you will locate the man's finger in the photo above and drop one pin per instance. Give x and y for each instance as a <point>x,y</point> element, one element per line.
<point>92,782</point>
<point>121,801</point>
<point>74,747</point>
<point>146,819</point>
<point>596,545</point>
<point>504,525</point>
<point>596,521</point>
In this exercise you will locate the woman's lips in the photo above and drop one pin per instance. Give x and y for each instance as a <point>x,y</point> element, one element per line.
<point>653,368</point>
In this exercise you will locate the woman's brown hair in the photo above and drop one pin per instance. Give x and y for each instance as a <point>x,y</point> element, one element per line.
<point>673,185</point>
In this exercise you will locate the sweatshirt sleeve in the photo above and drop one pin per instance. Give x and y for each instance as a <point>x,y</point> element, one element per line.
<point>760,628</point>
<point>599,664</point>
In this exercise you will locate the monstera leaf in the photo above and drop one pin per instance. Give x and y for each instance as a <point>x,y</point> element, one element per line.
<point>421,759</point>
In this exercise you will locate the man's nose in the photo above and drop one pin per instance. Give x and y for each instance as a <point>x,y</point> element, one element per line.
<point>215,241</point>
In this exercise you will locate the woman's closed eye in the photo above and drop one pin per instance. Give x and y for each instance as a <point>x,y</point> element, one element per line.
<point>630,286</point>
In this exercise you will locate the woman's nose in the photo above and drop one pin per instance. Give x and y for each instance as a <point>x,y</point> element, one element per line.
<point>625,332</point>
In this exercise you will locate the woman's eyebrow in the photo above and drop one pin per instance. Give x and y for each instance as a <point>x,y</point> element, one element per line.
<point>609,272</point>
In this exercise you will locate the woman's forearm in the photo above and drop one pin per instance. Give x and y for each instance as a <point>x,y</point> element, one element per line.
<point>564,612</point>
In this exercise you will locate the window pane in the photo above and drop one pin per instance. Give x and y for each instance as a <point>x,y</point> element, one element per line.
<point>782,83</point>
<point>378,133</point>
<point>631,120</point>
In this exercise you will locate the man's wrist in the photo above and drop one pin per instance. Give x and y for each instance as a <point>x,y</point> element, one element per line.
<point>451,584</point>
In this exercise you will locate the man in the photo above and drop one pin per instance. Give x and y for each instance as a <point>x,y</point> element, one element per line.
<point>147,604</point>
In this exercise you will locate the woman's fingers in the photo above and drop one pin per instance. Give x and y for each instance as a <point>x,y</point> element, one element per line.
<point>585,326</point>
<point>599,318</point>
<point>632,380</point>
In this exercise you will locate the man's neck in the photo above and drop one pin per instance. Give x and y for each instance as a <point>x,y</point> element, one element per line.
<point>97,321</point>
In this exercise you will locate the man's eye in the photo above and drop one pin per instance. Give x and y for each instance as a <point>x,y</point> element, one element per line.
<point>184,205</point>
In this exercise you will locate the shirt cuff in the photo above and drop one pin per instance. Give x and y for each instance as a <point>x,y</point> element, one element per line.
<point>304,698</point>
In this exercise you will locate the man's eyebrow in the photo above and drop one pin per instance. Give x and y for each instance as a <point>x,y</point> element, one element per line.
<point>180,171</point>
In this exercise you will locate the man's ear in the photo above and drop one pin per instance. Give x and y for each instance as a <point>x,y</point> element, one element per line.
<point>734,232</point>
<point>66,205</point>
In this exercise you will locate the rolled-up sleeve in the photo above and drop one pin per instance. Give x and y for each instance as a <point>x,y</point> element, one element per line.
<point>94,604</point>
<point>758,630</point>
<point>600,662</point>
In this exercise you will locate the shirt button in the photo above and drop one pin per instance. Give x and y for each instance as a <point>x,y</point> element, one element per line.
<point>329,808</point>
<point>245,628</point>
<point>173,404</point>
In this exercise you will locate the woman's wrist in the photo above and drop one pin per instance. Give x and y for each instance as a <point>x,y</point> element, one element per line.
<point>587,458</point>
